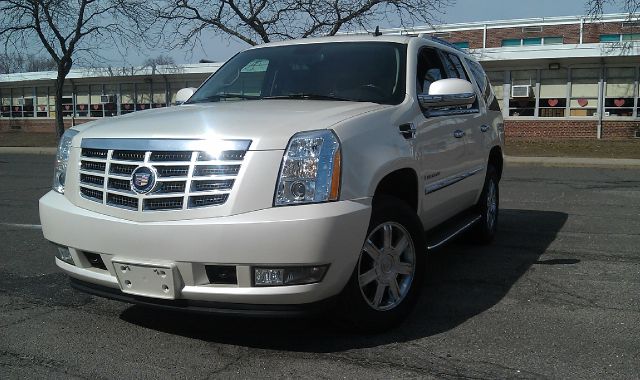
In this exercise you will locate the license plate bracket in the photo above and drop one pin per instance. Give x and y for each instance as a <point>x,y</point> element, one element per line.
<point>147,279</point>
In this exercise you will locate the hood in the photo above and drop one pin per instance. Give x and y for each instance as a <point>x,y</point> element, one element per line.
<point>268,123</point>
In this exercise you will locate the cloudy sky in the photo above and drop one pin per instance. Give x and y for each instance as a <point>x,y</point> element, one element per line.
<point>221,48</point>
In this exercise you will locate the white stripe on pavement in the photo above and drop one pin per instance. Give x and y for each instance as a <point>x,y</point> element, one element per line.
<point>25,226</point>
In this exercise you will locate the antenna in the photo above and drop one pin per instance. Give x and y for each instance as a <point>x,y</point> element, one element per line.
<point>377,32</point>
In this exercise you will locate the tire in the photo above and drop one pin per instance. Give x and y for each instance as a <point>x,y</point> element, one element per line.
<point>384,285</point>
<point>488,207</point>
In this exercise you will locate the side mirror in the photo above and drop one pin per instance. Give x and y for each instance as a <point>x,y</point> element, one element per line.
<point>448,93</point>
<point>184,94</point>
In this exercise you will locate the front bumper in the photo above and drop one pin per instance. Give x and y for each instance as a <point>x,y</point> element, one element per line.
<point>319,234</point>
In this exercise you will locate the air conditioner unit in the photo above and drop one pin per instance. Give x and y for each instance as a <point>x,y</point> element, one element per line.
<point>107,99</point>
<point>523,91</point>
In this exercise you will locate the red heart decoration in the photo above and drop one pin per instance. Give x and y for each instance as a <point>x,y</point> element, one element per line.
<point>143,106</point>
<point>16,109</point>
<point>95,106</point>
<point>81,106</point>
<point>619,102</point>
<point>42,108</point>
<point>583,102</point>
<point>552,102</point>
<point>127,106</point>
<point>67,107</point>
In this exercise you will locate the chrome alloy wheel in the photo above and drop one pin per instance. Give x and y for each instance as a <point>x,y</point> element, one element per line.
<point>387,266</point>
<point>492,205</point>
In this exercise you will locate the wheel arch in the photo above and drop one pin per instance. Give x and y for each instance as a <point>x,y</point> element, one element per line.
<point>496,159</point>
<point>402,184</point>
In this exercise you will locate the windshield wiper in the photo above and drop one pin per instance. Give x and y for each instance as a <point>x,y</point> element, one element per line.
<point>308,97</point>
<point>218,97</point>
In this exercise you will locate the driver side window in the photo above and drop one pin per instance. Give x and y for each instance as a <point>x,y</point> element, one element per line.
<point>430,69</point>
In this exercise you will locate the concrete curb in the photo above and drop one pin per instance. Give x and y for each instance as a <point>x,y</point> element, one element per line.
<point>27,150</point>
<point>573,161</point>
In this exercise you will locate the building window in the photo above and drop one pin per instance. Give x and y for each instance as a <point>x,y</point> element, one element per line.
<point>615,38</point>
<point>620,91</point>
<point>127,94</point>
<point>42,102</point>
<point>609,38</point>
<point>511,42</point>
<point>522,101</point>
<point>533,41</point>
<point>584,92</point>
<point>159,95</point>
<point>82,101</point>
<point>554,40</point>
<point>109,99</point>
<point>631,37</point>
<point>496,78</point>
<point>143,96</point>
<point>461,45</point>
<point>5,102</point>
<point>553,93</point>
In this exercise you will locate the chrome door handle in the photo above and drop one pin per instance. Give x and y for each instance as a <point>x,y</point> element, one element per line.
<point>484,128</point>
<point>458,134</point>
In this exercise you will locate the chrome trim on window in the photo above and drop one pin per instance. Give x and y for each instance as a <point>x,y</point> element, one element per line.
<point>451,180</point>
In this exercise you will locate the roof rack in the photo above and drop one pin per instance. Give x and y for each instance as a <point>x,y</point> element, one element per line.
<point>440,41</point>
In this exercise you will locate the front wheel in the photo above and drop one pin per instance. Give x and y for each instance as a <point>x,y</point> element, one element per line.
<point>390,269</point>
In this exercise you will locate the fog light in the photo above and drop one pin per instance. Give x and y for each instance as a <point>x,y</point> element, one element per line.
<point>289,275</point>
<point>64,255</point>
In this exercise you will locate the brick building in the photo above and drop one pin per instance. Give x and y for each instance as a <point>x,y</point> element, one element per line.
<point>559,77</point>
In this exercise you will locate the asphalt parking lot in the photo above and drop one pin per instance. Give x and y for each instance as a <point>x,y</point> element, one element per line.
<point>556,296</point>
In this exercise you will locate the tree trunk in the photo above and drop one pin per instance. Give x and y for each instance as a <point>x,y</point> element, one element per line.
<point>58,106</point>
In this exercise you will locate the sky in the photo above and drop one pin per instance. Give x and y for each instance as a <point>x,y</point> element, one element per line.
<point>221,48</point>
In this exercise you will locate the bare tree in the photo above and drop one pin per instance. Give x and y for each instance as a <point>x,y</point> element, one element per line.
<point>261,21</point>
<point>596,8</point>
<point>16,63</point>
<point>160,60</point>
<point>67,30</point>
<point>37,63</point>
<point>11,63</point>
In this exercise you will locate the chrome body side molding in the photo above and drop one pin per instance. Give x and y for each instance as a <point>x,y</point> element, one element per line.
<point>451,180</point>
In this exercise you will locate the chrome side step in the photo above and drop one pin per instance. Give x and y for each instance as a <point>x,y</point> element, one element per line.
<point>447,234</point>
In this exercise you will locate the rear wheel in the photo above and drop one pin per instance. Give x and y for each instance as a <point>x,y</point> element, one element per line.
<point>390,269</point>
<point>488,207</point>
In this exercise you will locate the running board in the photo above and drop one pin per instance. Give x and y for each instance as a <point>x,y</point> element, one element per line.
<point>449,230</point>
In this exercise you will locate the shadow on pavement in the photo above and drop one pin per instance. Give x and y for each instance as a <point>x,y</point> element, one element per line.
<point>463,281</point>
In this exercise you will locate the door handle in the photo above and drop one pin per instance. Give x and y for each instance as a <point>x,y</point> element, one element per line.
<point>484,128</point>
<point>458,134</point>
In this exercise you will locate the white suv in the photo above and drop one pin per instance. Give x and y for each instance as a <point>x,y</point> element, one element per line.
<point>301,175</point>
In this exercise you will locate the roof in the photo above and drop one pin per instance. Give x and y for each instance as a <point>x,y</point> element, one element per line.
<point>200,68</point>
<point>341,38</point>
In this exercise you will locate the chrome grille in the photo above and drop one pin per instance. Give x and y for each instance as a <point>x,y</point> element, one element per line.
<point>189,175</point>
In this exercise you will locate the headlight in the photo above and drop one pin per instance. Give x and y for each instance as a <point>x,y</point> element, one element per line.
<point>310,169</point>
<point>62,157</point>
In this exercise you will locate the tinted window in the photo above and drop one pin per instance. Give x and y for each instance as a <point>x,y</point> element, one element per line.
<point>369,72</point>
<point>430,69</point>
<point>456,66</point>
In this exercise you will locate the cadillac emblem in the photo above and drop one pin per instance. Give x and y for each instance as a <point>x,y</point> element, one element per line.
<point>143,179</point>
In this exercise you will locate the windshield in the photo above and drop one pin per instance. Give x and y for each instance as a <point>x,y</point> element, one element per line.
<point>347,71</point>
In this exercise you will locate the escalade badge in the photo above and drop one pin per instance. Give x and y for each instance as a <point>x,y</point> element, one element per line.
<point>143,179</point>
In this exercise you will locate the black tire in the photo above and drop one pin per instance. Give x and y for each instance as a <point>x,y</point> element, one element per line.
<point>359,308</point>
<point>485,229</point>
